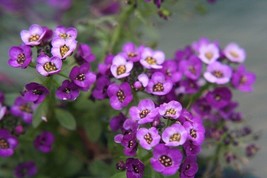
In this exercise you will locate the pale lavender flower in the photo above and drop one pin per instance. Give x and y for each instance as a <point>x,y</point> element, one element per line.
<point>235,53</point>
<point>63,48</point>
<point>196,131</point>
<point>65,33</point>
<point>174,135</point>
<point>48,66</point>
<point>33,36</point>
<point>3,110</point>
<point>152,59</point>
<point>218,73</point>
<point>148,138</point>
<point>120,67</point>
<point>209,53</point>
<point>170,110</point>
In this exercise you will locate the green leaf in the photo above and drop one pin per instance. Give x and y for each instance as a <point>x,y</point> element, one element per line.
<point>119,175</point>
<point>39,113</point>
<point>66,119</point>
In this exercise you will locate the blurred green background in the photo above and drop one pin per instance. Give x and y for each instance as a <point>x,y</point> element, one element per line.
<point>241,21</point>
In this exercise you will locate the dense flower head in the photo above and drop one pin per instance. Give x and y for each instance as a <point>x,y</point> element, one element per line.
<point>20,56</point>
<point>33,36</point>
<point>8,143</point>
<point>35,92</point>
<point>44,142</point>
<point>218,73</point>
<point>234,53</point>
<point>67,91</point>
<point>25,169</point>
<point>48,66</point>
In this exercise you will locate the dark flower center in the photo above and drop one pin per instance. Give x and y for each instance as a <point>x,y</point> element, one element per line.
<point>64,35</point>
<point>187,166</point>
<point>132,54</point>
<point>148,138</point>
<point>170,111</point>
<point>66,90</point>
<point>26,108</point>
<point>120,95</point>
<point>49,67</point>
<point>165,161</point>
<point>80,77</point>
<point>217,97</point>
<point>135,168</point>
<point>3,144</point>
<point>34,38</point>
<point>209,55</point>
<point>218,74</point>
<point>37,92</point>
<point>192,69</point>
<point>130,144</point>
<point>21,58</point>
<point>158,87</point>
<point>175,137</point>
<point>144,113</point>
<point>121,69</point>
<point>193,133</point>
<point>63,50</point>
<point>150,60</point>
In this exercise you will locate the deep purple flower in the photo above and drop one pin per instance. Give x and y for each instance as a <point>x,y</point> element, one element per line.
<point>183,54</point>
<point>234,53</point>
<point>227,110</point>
<point>48,66</point>
<point>33,36</point>
<point>35,92</point>
<point>82,77</point>
<point>191,149</point>
<point>8,143</point>
<point>3,110</point>
<point>104,68</point>
<point>188,86</point>
<point>152,59</point>
<point>145,112</point>
<point>120,95</point>
<point>23,109</point>
<point>110,8</point>
<point>219,97</point>
<point>196,131</point>
<point>251,150</point>
<point>148,138</point>
<point>185,116</point>
<point>131,52</point>
<point>209,53</point>
<point>189,167</point>
<point>129,144</point>
<point>166,160</point>
<point>2,97</point>
<point>191,68</point>
<point>120,67</point>
<point>19,129</point>
<point>201,107</point>
<point>243,80</point>
<point>25,170</point>
<point>218,73</point>
<point>65,33</point>
<point>20,56</point>
<point>63,48</point>
<point>159,85</point>
<point>134,168</point>
<point>84,54</point>
<point>67,91</point>
<point>100,90</point>
<point>170,110</point>
<point>170,69</point>
<point>44,142</point>
<point>174,135</point>
<point>116,122</point>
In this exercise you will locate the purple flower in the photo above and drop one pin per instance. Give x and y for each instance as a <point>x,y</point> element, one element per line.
<point>23,109</point>
<point>65,33</point>
<point>243,80</point>
<point>48,66</point>
<point>142,81</point>
<point>227,110</point>
<point>3,110</point>
<point>131,52</point>
<point>63,48</point>
<point>218,73</point>
<point>60,4</point>
<point>185,116</point>
<point>82,77</point>
<point>152,59</point>
<point>110,8</point>
<point>33,36</point>
<point>20,56</point>
<point>145,112</point>
<point>189,167</point>
<point>148,138</point>
<point>25,170</point>
<point>219,97</point>
<point>196,45</point>
<point>8,143</point>
<point>196,131</point>
<point>209,53</point>
<point>35,93</point>
<point>134,168</point>
<point>189,86</point>
<point>170,69</point>
<point>2,97</point>
<point>234,53</point>
<point>191,149</point>
<point>166,160</point>
<point>130,144</point>
<point>191,68</point>
<point>159,85</point>
<point>44,142</point>
<point>116,122</point>
<point>120,95</point>
<point>84,54</point>
<point>100,90</point>
<point>121,68</point>
<point>170,110</point>
<point>67,91</point>
<point>174,135</point>
<point>201,107</point>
